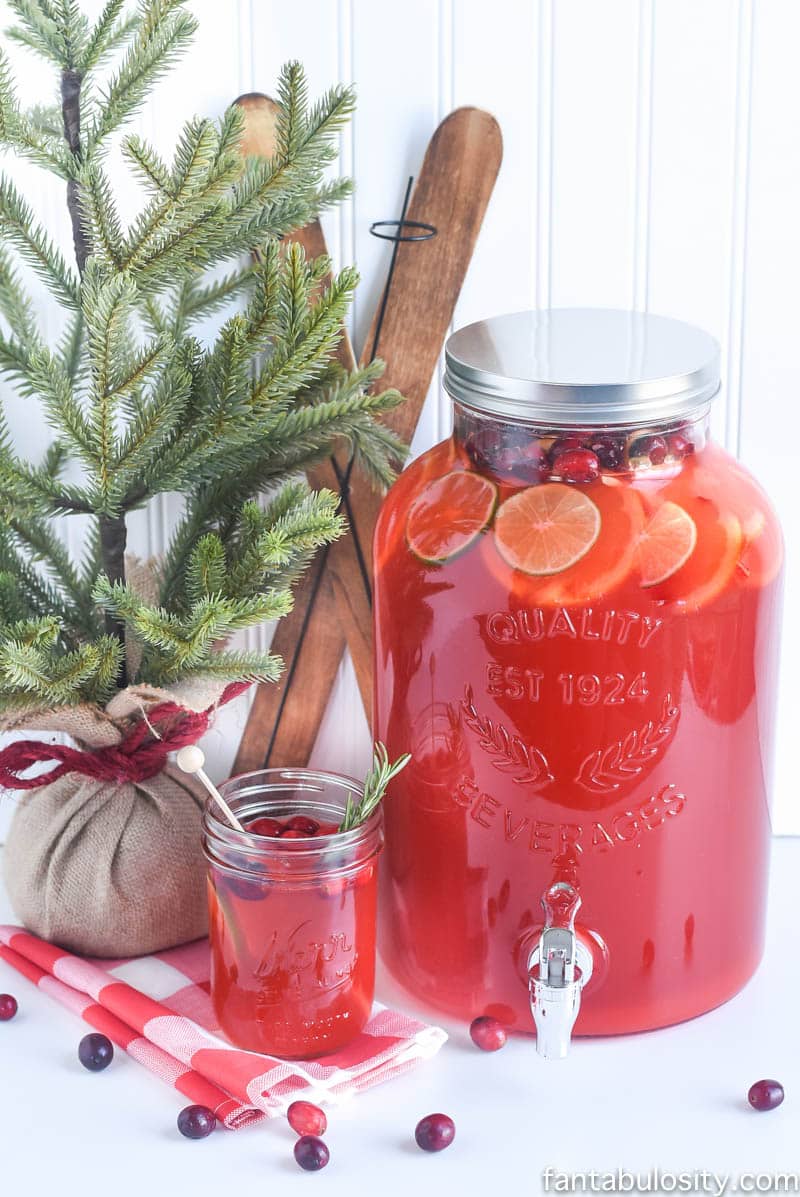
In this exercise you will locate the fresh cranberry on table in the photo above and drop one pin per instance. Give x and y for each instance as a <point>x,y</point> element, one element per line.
<point>654,448</point>
<point>765,1095</point>
<point>95,1052</point>
<point>435,1132</point>
<point>306,1118</point>
<point>196,1122</point>
<point>311,1153</point>
<point>577,465</point>
<point>487,1033</point>
<point>8,1007</point>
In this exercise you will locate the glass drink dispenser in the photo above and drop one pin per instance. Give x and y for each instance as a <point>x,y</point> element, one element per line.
<point>577,607</point>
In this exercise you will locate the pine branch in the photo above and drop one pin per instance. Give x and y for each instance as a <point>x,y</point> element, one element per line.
<point>107,35</point>
<point>38,31</point>
<point>148,165</point>
<point>163,33</point>
<point>18,225</point>
<point>136,400</point>
<point>15,305</point>
<point>99,219</point>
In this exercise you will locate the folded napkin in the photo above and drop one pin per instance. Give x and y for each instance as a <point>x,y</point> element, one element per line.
<point>158,1009</point>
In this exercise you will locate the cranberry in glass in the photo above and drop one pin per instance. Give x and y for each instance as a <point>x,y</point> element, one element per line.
<point>95,1052</point>
<point>526,463</point>
<point>8,1007</point>
<point>265,826</point>
<point>609,451</point>
<point>679,445</point>
<point>196,1122</point>
<point>577,465</point>
<point>653,447</point>
<point>765,1095</point>
<point>435,1132</point>
<point>306,1118</point>
<point>247,888</point>
<point>311,1153</point>
<point>563,444</point>
<point>291,833</point>
<point>483,447</point>
<point>303,823</point>
<point>487,1033</point>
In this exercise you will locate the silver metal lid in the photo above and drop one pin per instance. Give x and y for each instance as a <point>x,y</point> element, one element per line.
<point>582,366</point>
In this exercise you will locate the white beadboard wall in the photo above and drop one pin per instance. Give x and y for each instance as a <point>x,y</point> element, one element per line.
<point>652,159</point>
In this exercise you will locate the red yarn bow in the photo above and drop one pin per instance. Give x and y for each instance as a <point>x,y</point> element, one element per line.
<point>141,754</point>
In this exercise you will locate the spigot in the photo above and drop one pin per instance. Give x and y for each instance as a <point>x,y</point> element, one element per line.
<point>558,968</point>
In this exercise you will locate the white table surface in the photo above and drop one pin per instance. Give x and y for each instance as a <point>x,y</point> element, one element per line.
<point>673,1100</point>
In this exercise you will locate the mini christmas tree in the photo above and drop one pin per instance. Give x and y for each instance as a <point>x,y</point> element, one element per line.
<point>135,398</point>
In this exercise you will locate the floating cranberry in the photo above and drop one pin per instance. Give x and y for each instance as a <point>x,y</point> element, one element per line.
<point>8,1007</point>
<point>291,833</point>
<point>303,823</point>
<point>525,463</point>
<point>487,1033</point>
<point>265,826</point>
<point>306,1118</point>
<point>609,450</point>
<point>328,828</point>
<point>679,445</point>
<point>196,1122</point>
<point>577,465</point>
<point>249,889</point>
<point>435,1132</point>
<point>95,1052</point>
<point>484,447</point>
<point>311,1153</point>
<point>563,444</point>
<point>765,1095</point>
<point>655,448</point>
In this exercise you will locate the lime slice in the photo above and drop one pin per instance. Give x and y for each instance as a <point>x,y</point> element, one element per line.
<point>666,543</point>
<point>449,515</point>
<point>545,529</point>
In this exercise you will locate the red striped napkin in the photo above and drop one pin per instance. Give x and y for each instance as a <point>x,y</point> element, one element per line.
<point>158,1009</point>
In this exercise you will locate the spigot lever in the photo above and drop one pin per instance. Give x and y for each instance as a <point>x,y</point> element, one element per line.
<point>558,968</point>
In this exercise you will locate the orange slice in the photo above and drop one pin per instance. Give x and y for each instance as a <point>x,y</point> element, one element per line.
<point>666,544</point>
<point>545,529</point>
<point>710,566</point>
<point>610,560</point>
<point>449,515</point>
<point>715,476</point>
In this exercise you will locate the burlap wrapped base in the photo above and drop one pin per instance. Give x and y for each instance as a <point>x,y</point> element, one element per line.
<point>109,869</point>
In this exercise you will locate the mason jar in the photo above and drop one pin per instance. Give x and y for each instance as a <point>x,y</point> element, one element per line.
<point>291,918</point>
<point>577,607</point>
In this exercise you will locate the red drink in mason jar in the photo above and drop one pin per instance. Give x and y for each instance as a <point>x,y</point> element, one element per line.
<point>292,905</point>
<point>577,607</point>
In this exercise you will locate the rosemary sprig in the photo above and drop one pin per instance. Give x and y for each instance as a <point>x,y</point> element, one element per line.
<point>375,785</point>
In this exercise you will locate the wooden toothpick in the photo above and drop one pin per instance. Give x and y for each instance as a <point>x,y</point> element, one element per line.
<point>191,760</point>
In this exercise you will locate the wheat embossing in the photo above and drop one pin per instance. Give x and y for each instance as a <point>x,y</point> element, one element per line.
<point>604,771</point>
<point>510,754</point>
